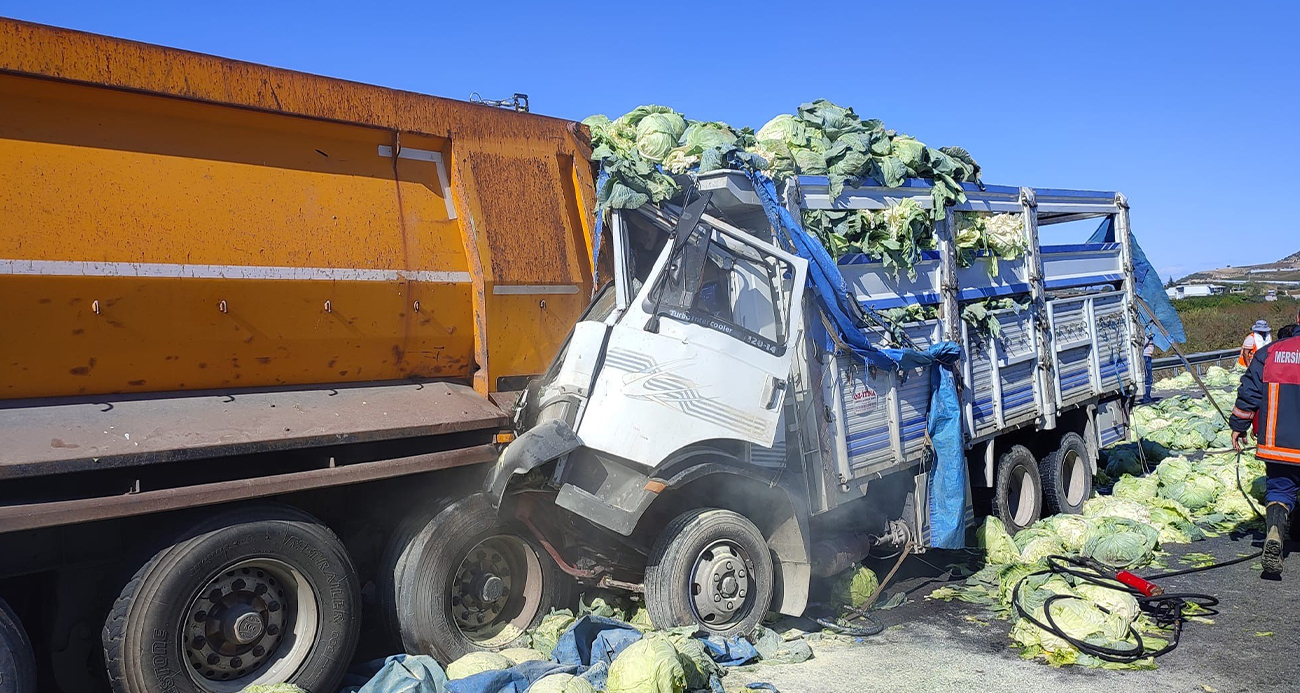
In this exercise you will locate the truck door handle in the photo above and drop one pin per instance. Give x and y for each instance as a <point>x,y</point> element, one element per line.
<point>775,387</point>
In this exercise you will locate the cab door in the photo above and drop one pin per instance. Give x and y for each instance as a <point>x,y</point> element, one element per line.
<point>703,351</point>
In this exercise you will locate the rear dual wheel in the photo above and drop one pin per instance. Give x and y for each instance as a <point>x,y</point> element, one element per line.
<point>265,594</point>
<point>1025,488</point>
<point>1066,474</point>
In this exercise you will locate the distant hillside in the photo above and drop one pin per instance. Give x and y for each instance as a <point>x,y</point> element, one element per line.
<point>1221,322</point>
<point>1287,269</point>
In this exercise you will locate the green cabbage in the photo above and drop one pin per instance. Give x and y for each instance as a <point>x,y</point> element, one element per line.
<point>1112,507</point>
<point>1174,470</point>
<point>1037,542</point>
<point>1118,602</point>
<point>548,632</point>
<point>1194,493</point>
<point>272,688</point>
<point>1072,530</point>
<point>694,658</point>
<point>657,134</point>
<point>1136,488</point>
<point>853,587</point>
<point>561,683</point>
<point>995,541</point>
<point>477,663</point>
<point>649,665</point>
<point>517,655</point>
<point>1120,542</point>
<point>1011,575</point>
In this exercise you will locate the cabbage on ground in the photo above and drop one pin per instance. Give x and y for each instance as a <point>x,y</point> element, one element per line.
<point>1156,500</point>
<point>649,665</point>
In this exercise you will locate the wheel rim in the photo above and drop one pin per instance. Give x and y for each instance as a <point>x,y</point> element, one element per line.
<point>722,584</point>
<point>1074,478</point>
<point>254,622</point>
<point>1021,497</point>
<point>496,590</point>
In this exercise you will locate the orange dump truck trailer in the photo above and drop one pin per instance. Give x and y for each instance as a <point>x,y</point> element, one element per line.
<point>260,333</point>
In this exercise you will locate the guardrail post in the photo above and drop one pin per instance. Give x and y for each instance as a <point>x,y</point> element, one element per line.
<point>1045,374</point>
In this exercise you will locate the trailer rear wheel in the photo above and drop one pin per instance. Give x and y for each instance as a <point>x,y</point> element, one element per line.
<point>471,582</point>
<point>264,594</point>
<point>1018,491</point>
<point>17,663</point>
<point>710,568</point>
<point>1067,476</point>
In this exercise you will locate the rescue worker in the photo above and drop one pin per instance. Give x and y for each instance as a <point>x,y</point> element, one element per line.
<point>1148,355</point>
<point>1269,399</point>
<point>1259,336</point>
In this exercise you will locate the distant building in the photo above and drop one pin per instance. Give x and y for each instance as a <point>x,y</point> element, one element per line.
<point>1270,295</point>
<point>1191,290</point>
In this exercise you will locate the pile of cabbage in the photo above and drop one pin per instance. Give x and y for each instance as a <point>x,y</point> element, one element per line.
<point>1184,422</point>
<point>643,150</point>
<point>1215,378</point>
<point>1158,498</point>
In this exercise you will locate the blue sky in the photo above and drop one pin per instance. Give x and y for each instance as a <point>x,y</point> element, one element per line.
<point>1190,108</point>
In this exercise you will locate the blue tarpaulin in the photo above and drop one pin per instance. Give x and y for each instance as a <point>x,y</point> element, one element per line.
<point>1147,284</point>
<point>947,485</point>
<point>730,652</point>
<point>516,679</point>
<point>397,674</point>
<point>592,643</point>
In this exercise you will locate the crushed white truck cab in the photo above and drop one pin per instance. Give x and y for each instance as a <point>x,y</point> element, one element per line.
<point>706,439</point>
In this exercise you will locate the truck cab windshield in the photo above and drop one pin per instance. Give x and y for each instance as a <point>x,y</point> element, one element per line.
<point>729,286</point>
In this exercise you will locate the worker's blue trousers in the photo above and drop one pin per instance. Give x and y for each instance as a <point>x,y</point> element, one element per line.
<point>1283,482</point>
<point>1151,376</point>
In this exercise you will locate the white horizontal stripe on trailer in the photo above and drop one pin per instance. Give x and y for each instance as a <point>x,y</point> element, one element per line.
<point>386,151</point>
<point>76,268</point>
<point>534,289</point>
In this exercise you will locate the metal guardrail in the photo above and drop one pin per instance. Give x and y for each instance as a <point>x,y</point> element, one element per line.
<point>1200,361</point>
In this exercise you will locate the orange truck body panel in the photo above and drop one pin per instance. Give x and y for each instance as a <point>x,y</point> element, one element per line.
<point>175,221</point>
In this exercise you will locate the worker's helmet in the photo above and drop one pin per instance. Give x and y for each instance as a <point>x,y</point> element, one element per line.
<point>1261,326</point>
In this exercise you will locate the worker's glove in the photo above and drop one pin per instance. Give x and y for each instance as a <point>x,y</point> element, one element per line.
<point>1240,439</point>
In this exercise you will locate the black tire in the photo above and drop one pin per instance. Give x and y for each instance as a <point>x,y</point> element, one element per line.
<point>697,544</point>
<point>17,663</point>
<point>393,565</point>
<point>1066,474</point>
<point>1017,490</point>
<point>442,574</point>
<point>281,573</point>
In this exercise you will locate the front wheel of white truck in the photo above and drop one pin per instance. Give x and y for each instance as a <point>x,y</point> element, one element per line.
<point>710,568</point>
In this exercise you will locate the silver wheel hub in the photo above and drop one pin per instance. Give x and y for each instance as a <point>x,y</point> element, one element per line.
<point>248,627</point>
<point>481,588</point>
<point>237,623</point>
<point>496,590</point>
<point>721,583</point>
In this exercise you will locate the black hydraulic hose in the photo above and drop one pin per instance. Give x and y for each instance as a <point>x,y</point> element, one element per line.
<point>1165,609</point>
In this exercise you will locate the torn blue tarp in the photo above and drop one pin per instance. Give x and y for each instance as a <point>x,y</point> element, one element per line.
<point>1148,285</point>
<point>730,652</point>
<point>594,639</point>
<point>516,679</point>
<point>397,674</point>
<point>947,490</point>
<point>596,232</point>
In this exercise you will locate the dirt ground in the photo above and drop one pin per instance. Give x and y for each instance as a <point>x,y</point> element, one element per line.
<point>941,646</point>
